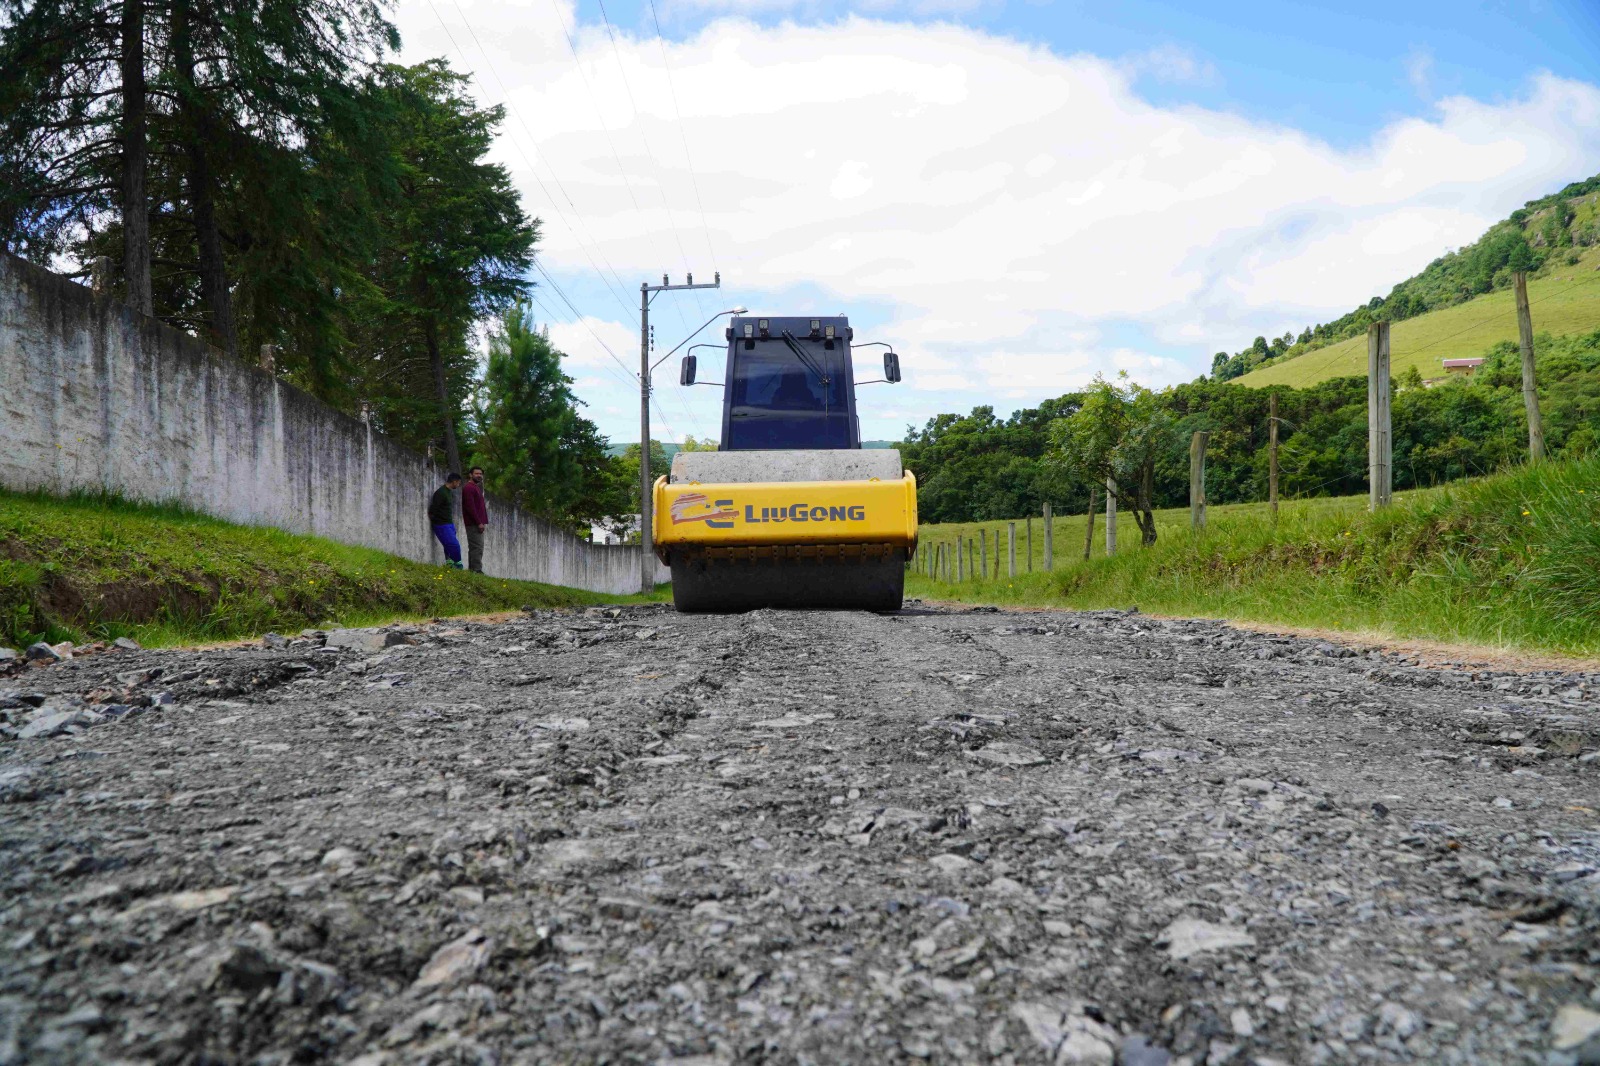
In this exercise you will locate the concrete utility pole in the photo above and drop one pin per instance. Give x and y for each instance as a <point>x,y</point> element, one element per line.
<point>1197,478</point>
<point>1530,391</point>
<point>647,293</point>
<point>1272,453</point>
<point>1380,441</point>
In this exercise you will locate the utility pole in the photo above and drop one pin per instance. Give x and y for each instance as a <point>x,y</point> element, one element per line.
<point>1380,441</point>
<point>647,293</point>
<point>1530,391</point>
<point>1272,453</point>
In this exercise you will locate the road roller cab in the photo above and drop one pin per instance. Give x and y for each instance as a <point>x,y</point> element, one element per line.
<point>791,511</point>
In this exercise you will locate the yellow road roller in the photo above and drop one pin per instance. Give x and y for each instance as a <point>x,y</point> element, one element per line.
<point>791,511</point>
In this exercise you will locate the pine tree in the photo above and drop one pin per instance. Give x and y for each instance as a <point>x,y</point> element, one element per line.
<point>455,245</point>
<point>532,443</point>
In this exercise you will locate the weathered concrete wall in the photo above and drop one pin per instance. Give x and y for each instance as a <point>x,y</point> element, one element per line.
<point>95,397</point>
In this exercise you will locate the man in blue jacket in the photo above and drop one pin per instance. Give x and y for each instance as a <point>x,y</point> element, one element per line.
<point>442,517</point>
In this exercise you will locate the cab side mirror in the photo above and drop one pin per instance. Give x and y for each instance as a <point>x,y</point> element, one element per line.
<point>686,371</point>
<point>891,366</point>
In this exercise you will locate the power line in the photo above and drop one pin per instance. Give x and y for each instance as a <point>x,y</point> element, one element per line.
<point>527,159</point>
<point>581,318</point>
<point>550,316</point>
<point>677,112</point>
<point>661,184</point>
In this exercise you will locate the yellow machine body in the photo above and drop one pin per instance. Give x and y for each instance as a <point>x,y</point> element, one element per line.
<point>775,514</point>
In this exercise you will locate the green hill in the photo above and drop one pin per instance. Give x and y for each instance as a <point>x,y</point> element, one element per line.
<point>1459,305</point>
<point>1563,302</point>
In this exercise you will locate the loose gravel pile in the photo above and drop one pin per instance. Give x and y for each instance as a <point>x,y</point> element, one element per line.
<point>625,835</point>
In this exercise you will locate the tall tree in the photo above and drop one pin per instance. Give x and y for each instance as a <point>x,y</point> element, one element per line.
<point>66,124</point>
<point>456,243</point>
<point>1117,437</point>
<point>135,154</point>
<point>526,415</point>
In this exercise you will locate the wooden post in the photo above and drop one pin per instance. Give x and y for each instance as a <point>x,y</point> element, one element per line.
<point>1030,544</point>
<point>1111,517</point>
<point>1197,478</point>
<point>1272,453</point>
<point>961,561</point>
<point>972,559</point>
<point>997,555</point>
<point>1049,539</point>
<point>1530,391</point>
<point>1011,549</point>
<point>1088,529</point>
<point>983,557</point>
<point>1380,442</point>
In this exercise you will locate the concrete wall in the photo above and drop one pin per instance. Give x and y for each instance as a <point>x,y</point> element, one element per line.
<point>95,397</point>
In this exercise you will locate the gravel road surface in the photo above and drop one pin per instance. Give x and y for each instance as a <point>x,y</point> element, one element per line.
<point>625,835</point>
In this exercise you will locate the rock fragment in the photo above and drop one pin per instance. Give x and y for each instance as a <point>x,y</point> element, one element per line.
<point>459,958</point>
<point>1189,937</point>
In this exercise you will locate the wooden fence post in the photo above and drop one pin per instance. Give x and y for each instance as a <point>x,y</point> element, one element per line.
<point>1011,549</point>
<point>983,549</point>
<point>1272,453</point>
<point>961,561</point>
<point>1530,391</point>
<point>1380,442</point>
<point>972,559</point>
<point>1030,544</point>
<point>1088,529</point>
<point>1197,478</point>
<point>1111,517</point>
<point>1049,539</point>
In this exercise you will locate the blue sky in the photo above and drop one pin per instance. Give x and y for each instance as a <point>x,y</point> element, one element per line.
<point>1019,194</point>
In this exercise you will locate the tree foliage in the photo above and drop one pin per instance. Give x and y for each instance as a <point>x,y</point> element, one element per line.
<point>978,467</point>
<point>533,444</point>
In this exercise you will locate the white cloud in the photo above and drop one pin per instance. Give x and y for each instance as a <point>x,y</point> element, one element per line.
<point>1011,206</point>
<point>1172,64</point>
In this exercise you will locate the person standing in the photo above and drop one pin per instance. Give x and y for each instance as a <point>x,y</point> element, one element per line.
<point>475,513</point>
<point>442,517</point>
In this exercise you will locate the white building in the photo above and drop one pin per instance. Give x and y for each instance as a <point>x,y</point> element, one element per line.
<point>617,529</point>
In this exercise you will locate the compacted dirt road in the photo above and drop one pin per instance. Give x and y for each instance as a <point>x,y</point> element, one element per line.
<point>625,835</point>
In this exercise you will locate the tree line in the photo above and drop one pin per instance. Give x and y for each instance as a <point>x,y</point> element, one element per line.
<point>264,175</point>
<point>978,467</point>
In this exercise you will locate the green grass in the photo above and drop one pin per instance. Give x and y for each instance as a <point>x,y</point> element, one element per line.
<point>1508,560</point>
<point>96,568</point>
<point>1563,300</point>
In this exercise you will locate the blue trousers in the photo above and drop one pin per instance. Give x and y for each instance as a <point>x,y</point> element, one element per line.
<point>447,540</point>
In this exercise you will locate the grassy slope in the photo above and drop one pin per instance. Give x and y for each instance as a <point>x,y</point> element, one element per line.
<point>1563,300</point>
<point>1507,560</point>
<point>79,568</point>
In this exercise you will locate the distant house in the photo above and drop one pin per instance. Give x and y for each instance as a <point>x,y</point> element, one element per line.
<point>1463,366</point>
<point>615,530</point>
